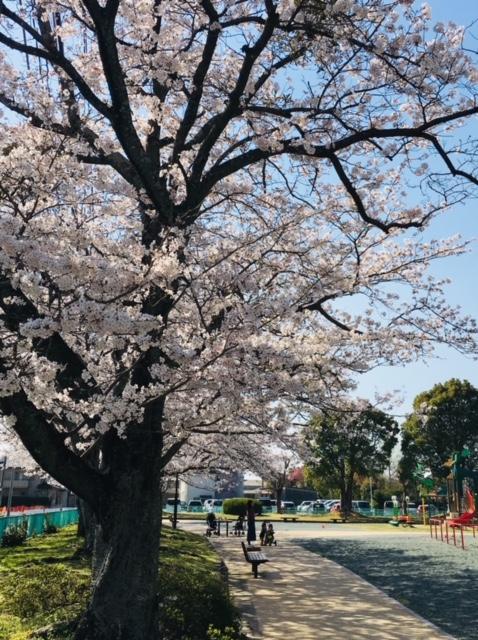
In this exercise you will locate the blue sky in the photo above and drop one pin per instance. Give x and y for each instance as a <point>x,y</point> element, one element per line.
<point>462,270</point>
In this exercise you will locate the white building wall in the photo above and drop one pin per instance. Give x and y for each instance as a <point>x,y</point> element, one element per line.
<point>197,487</point>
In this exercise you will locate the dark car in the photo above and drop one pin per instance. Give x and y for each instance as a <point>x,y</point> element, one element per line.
<point>429,508</point>
<point>170,502</point>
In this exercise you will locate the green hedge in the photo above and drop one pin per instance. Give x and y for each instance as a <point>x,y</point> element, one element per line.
<point>238,506</point>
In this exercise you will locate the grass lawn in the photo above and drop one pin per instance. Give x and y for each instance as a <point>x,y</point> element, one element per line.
<point>34,581</point>
<point>437,581</point>
<point>277,517</point>
<point>46,581</point>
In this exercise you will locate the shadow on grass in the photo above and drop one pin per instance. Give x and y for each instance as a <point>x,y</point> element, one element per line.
<point>59,548</point>
<point>434,580</point>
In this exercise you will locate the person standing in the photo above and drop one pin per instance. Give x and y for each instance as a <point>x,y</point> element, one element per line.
<point>251,522</point>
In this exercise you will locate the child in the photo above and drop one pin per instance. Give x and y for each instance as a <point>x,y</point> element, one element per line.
<point>263,533</point>
<point>269,537</point>
<point>239,526</point>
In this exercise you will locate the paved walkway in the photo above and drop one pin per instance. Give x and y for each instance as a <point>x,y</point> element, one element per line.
<point>300,595</point>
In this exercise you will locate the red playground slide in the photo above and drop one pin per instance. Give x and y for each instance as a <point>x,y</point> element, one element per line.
<point>469,514</point>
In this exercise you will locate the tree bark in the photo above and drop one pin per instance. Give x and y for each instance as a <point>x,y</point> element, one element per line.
<point>279,499</point>
<point>347,500</point>
<point>87,525</point>
<point>124,603</point>
<point>342,486</point>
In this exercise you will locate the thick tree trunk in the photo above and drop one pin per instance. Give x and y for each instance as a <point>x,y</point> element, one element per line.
<point>124,604</point>
<point>279,499</point>
<point>87,525</point>
<point>348,496</point>
<point>343,492</point>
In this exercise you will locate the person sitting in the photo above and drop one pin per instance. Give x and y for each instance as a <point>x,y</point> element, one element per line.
<point>269,537</point>
<point>211,523</point>
<point>239,526</point>
<point>263,533</point>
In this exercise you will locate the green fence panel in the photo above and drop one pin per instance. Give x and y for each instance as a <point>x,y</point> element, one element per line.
<point>36,521</point>
<point>36,524</point>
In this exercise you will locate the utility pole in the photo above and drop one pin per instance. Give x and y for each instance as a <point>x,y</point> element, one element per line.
<point>10,491</point>
<point>3,463</point>
<point>176,492</point>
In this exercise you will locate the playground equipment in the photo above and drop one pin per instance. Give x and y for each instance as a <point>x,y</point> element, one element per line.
<point>448,528</point>
<point>470,513</point>
<point>458,482</point>
<point>460,497</point>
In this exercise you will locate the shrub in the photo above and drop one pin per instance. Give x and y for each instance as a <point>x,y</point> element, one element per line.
<point>229,633</point>
<point>189,600</point>
<point>238,506</point>
<point>50,527</point>
<point>45,589</point>
<point>15,535</point>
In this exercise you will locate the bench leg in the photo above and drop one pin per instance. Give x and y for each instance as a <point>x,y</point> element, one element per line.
<point>254,569</point>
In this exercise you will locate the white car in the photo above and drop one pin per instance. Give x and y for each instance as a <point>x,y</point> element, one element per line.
<point>305,505</point>
<point>317,507</point>
<point>195,505</point>
<point>331,503</point>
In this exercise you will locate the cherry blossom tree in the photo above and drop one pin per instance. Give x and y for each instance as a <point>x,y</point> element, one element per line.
<point>210,210</point>
<point>275,467</point>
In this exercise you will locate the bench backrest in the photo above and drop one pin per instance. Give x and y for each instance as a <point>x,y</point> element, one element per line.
<point>245,550</point>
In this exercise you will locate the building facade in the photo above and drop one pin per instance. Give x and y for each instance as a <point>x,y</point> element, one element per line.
<point>23,489</point>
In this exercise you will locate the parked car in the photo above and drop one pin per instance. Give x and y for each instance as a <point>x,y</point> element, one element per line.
<point>195,505</point>
<point>317,507</point>
<point>266,505</point>
<point>288,505</point>
<point>170,502</point>
<point>331,503</point>
<point>305,505</point>
<point>217,503</point>
<point>429,508</point>
<point>360,505</point>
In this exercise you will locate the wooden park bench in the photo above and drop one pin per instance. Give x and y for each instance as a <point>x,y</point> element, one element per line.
<point>255,558</point>
<point>287,518</point>
<point>337,516</point>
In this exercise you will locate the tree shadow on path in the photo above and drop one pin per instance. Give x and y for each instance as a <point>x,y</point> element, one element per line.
<point>437,581</point>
